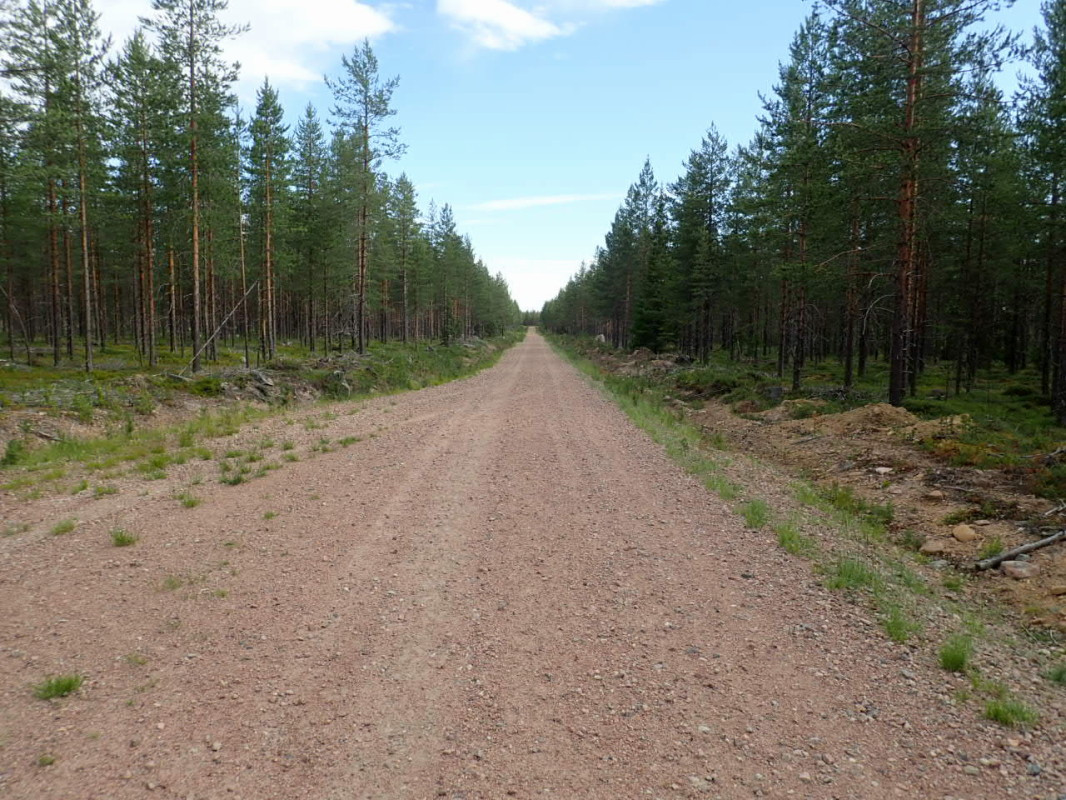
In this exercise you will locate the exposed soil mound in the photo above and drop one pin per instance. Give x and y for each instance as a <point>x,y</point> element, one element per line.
<point>876,418</point>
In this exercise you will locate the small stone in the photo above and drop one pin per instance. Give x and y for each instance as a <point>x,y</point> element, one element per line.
<point>970,769</point>
<point>884,470</point>
<point>1023,557</point>
<point>216,746</point>
<point>1019,570</point>
<point>964,533</point>
<point>1058,591</point>
<point>1034,769</point>
<point>933,547</point>
<point>982,522</point>
<point>934,496</point>
<point>805,777</point>
<point>160,725</point>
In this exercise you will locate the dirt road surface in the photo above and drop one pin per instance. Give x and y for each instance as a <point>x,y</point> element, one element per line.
<point>503,590</point>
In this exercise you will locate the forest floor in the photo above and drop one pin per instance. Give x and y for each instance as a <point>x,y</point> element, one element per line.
<point>496,587</point>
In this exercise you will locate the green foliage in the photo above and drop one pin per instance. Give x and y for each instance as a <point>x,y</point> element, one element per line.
<point>795,542</point>
<point>899,627</point>
<point>123,538</point>
<point>1010,712</point>
<point>956,652</point>
<point>58,686</point>
<point>852,574</point>
<point>63,527</point>
<point>1057,674</point>
<point>991,548</point>
<point>14,453</point>
<point>756,513</point>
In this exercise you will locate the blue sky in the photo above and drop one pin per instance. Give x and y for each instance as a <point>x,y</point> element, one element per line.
<point>531,117</point>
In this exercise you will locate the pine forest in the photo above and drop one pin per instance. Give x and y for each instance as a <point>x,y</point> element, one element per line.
<point>138,207</point>
<point>895,212</point>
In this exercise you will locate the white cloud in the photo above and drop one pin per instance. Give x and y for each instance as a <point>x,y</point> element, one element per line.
<point>288,39</point>
<point>497,24</point>
<point>536,201</point>
<point>511,24</point>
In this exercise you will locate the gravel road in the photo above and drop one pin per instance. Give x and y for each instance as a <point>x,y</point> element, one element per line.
<point>502,590</point>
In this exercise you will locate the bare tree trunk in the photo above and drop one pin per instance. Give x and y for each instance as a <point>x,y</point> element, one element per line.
<point>173,292</point>
<point>195,179</point>
<point>901,353</point>
<point>83,214</point>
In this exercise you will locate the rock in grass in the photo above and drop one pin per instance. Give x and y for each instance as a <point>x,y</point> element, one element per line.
<point>932,547</point>
<point>964,533</point>
<point>1019,570</point>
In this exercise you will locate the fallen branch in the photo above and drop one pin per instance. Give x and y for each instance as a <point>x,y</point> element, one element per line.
<point>1055,510</point>
<point>995,561</point>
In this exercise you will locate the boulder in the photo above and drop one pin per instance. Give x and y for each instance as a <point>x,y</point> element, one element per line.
<point>933,547</point>
<point>1019,570</point>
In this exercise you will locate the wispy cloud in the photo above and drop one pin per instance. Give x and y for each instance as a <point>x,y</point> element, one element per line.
<point>536,201</point>
<point>497,24</point>
<point>288,41</point>
<point>512,24</point>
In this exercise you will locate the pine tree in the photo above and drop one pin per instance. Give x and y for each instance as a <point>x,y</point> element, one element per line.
<point>363,107</point>
<point>269,172</point>
<point>190,35</point>
<point>1044,121</point>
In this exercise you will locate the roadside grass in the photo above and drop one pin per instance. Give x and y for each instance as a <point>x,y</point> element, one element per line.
<point>123,538</point>
<point>855,552</point>
<point>33,469</point>
<point>58,686</point>
<point>1057,674</point>
<point>14,528</point>
<point>1008,423</point>
<point>793,541</point>
<point>955,654</point>
<point>853,574</point>
<point>1008,711</point>
<point>756,513</point>
<point>188,499</point>
<point>63,527</point>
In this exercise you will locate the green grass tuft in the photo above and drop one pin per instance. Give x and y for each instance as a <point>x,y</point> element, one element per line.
<point>120,537</point>
<point>990,549</point>
<point>794,542</point>
<point>756,513</point>
<point>58,686</point>
<point>188,499</point>
<point>1057,674</point>
<point>956,652</point>
<point>897,624</point>
<point>852,574</point>
<point>64,526</point>
<point>1010,712</point>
